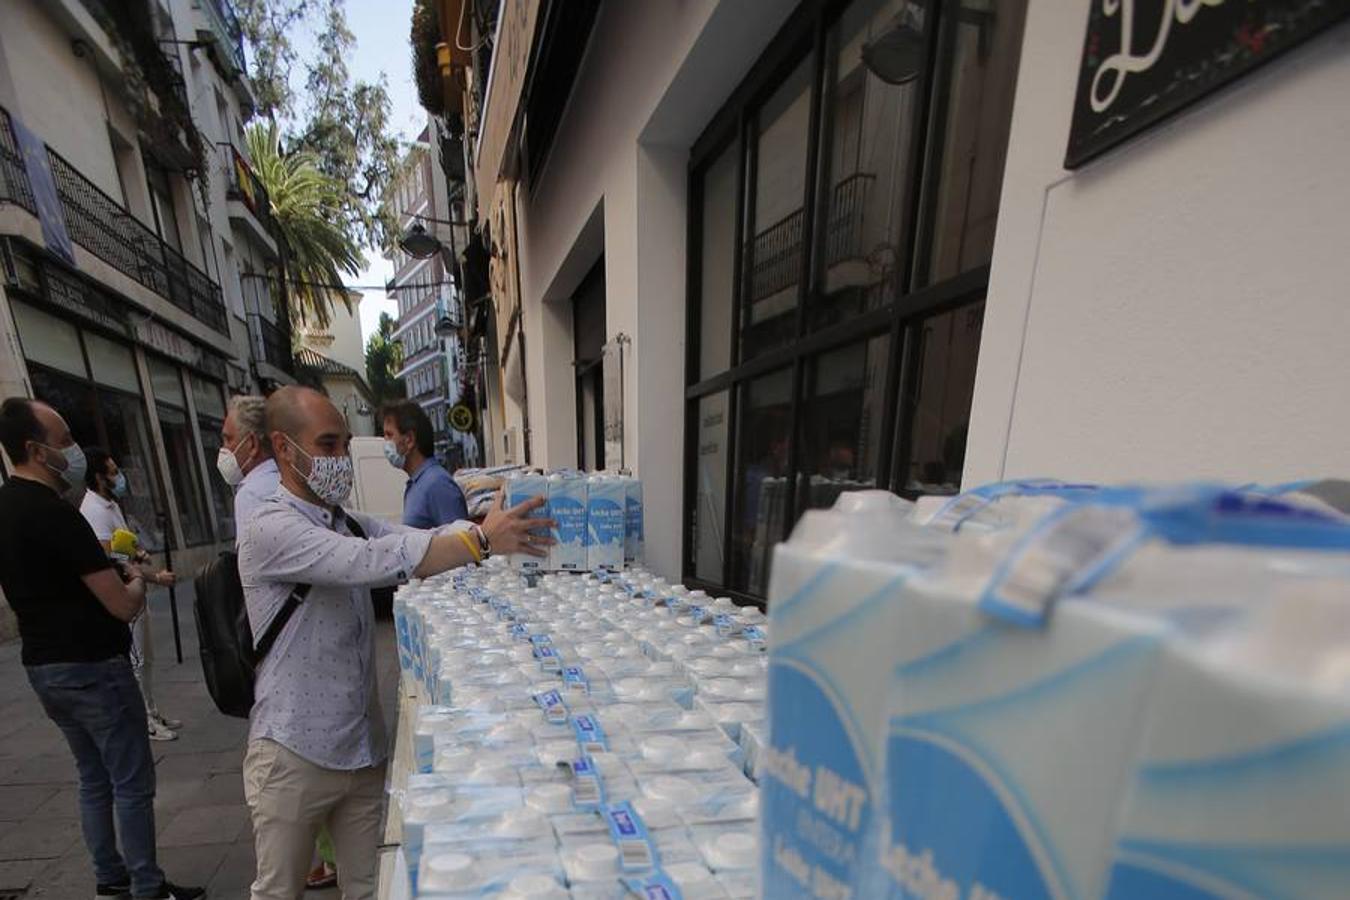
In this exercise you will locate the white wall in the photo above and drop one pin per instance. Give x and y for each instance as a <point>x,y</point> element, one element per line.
<point>616,180</point>
<point>1177,308</point>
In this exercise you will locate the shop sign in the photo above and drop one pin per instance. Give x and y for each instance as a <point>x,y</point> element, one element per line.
<point>1144,60</point>
<point>85,303</point>
<point>168,342</point>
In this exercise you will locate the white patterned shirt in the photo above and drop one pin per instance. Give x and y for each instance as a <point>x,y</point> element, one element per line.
<point>315,692</point>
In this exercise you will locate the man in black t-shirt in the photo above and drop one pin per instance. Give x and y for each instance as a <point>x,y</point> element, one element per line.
<point>73,608</point>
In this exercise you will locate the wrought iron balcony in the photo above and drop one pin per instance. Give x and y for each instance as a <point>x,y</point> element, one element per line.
<point>271,343</point>
<point>226,31</point>
<point>242,184</point>
<point>774,260</point>
<point>843,231</point>
<point>106,229</point>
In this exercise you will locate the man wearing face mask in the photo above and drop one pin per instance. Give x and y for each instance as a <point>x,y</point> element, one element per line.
<point>317,746</point>
<point>73,608</point>
<point>245,459</point>
<point>107,485</point>
<point>431,497</point>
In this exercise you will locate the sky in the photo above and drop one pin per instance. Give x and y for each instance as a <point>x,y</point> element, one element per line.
<point>381,29</point>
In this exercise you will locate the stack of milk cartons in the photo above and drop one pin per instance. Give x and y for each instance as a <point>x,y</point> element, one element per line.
<point>562,760</point>
<point>834,619</point>
<point>1060,690</point>
<point>1060,724</point>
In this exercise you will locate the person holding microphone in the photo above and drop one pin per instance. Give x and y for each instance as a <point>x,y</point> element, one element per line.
<point>106,486</point>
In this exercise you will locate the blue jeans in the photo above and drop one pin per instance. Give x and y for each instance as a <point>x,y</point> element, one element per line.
<point>99,709</point>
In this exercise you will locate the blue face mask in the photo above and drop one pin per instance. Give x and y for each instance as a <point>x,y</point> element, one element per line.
<point>391,453</point>
<point>119,486</point>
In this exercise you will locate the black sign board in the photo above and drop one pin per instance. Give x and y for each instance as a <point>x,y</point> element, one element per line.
<point>1143,60</point>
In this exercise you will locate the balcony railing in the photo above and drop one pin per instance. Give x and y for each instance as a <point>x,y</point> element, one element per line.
<point>843,231</point>
<point>103,226</point>
<point>228,33</point>
<point>242,184</point>
<point>271,343</point>
<point>775,259</point>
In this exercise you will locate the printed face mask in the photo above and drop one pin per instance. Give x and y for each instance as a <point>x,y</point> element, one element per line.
<point>330,477</point>
<point>119,485</point>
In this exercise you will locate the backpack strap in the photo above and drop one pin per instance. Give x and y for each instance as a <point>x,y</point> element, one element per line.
<point>295,598</point>
<point>293,601</point>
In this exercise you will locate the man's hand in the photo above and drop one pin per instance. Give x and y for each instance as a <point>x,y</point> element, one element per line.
<point>512,531</point>
<point>165,578</point>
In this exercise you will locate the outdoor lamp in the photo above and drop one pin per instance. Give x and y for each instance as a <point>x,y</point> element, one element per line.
<point>418,244</point>
<point>897,56</point>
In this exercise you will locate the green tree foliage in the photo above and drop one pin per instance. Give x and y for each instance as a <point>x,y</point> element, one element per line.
<point>384,357</point>
<point>343,122</point>
<point>306,204</point>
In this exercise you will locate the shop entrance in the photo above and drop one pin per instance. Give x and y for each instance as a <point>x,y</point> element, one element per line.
<point>588,354</point>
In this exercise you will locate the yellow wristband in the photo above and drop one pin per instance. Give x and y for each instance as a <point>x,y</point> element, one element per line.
<point>473,551</point>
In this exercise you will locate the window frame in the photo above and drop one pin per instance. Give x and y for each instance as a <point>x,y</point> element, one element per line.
<point>807,36</point>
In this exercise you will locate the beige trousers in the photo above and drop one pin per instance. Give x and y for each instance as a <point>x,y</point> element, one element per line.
<point>290,798</point>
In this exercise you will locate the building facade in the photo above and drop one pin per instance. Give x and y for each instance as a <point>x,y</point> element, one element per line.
<point>132,237</point>
<point>824,245</point>
<point>331,358</point>
<point>430,311</point>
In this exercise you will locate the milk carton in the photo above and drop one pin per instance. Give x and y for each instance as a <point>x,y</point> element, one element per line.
<point>526,486</point>
<point>1029,710</point>
<point>633,534</point>
<point>1243,787</point>
<point>834,608</point>
<point>567,507</point>
<point>606,508</point>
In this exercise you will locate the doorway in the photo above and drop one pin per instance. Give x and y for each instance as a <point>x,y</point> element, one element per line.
<point>588,356</point>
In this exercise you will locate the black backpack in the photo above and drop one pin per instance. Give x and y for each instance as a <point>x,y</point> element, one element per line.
<point>230,657</point>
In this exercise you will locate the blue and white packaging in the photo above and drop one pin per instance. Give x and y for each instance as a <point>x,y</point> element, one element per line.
<point>1242,788</point>
<point>1028,713</point>
<point>633,521</point>
<point>521,487</point>
<point>454,870</point>
<point>567,507</point>
<point>606,512</point>
<point>834,606</point>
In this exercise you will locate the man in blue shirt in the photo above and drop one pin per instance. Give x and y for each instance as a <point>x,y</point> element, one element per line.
<point>431,497</point>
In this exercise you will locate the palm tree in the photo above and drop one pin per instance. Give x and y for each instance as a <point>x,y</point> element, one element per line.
<point>307,208</point>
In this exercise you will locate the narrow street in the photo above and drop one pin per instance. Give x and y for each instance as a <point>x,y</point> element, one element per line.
<point>204,834</point>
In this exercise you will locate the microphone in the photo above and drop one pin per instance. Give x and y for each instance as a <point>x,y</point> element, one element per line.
<point>124,545</point>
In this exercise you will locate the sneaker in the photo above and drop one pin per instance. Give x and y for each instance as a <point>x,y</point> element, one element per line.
<point>165,721</point>
<point>159,733</point>
<point>120,891</point>
<point>177,892</point>
<point>323,876</point>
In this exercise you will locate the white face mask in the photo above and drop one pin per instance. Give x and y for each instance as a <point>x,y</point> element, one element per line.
<point>330,477</point>
<point>229,467</point>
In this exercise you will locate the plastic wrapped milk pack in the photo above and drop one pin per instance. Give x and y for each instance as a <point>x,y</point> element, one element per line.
<point>1136,692</point>
<point>565,754</point>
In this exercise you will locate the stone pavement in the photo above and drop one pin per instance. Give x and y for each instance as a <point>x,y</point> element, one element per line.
<point>201,818</point>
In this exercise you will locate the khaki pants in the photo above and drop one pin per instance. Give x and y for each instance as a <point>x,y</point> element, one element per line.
<point>290,798</point>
